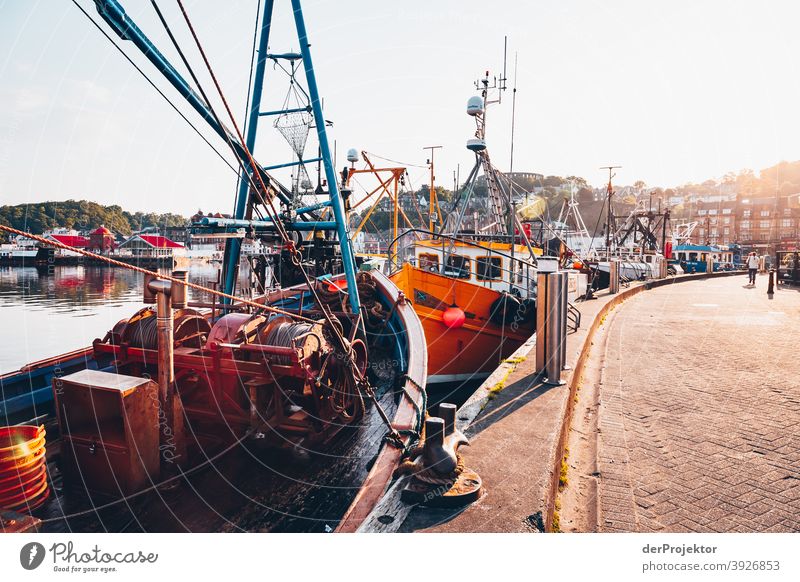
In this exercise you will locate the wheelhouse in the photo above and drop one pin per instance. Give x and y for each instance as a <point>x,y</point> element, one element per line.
<point>497,265</point>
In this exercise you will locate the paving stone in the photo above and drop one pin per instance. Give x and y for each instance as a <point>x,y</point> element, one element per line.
<point>698,421</point>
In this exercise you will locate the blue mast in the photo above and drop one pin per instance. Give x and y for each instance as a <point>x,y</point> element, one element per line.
<point>114,14</point>
<point>233,245</point>
<point>348,257</point>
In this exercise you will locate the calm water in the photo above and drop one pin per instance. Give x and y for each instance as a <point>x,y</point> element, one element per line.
<point>47,312</point>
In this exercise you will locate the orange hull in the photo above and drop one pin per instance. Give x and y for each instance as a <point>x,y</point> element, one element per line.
<point>472,350</point>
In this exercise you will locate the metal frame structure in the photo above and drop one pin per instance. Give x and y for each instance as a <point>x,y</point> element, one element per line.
<point>116,17</point>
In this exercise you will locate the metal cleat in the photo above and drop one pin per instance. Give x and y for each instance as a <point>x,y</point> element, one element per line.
<point>438,455</point>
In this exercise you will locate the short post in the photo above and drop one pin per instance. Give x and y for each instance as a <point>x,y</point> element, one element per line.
<point>172,443</point>
<point>771,283</point>
<point>545,266</point>
<point>613,276</point>
<point>555,328</point>
<point>563,303</point>
<point>551,321</point>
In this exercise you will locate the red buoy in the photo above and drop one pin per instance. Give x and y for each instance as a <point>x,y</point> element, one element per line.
<point>453,317</point>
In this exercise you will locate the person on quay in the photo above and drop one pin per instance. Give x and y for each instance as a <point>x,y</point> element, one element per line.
<point>752,267</point>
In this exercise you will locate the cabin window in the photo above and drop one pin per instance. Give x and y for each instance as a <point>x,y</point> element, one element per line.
<point>489,268</point>
<point>458,266</point>
<point>429,262</point>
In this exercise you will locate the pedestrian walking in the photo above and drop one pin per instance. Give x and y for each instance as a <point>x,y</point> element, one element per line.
<point>752,267</point>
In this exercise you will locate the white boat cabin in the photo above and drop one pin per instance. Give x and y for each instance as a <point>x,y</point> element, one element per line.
<point>489,265</point>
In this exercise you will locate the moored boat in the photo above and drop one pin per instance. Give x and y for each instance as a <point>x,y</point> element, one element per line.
<point>284,412</point>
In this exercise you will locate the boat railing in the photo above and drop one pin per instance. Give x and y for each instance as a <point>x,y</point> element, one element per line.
<point>520,275</point>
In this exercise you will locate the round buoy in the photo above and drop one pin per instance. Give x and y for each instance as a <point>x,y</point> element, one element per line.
<point>453,317</point>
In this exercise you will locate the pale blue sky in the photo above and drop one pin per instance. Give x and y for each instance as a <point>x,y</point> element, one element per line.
<point>673,91</point>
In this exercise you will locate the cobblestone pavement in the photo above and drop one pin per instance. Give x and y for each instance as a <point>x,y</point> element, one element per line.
<point>699,417</point>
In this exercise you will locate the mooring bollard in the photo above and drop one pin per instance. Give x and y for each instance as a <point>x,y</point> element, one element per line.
<point>551,322</point>
<point>613,276</point>
<point>438,475</point>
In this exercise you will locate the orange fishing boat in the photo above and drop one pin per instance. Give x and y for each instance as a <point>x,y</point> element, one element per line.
<point>468,328</point>
<point>473,289</point>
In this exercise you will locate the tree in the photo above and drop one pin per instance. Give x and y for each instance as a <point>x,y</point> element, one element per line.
<point>82,215</point>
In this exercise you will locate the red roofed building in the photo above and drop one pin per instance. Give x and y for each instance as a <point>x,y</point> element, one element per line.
<point>102,240</point>
<point>149,246</point>
<point>68,237</point>
<point>73,240</point>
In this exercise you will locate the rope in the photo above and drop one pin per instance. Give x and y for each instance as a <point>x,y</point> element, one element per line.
<point>114,262</point>
<point>396,162</point>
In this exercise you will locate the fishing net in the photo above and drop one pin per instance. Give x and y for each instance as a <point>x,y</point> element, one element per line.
<point>294,128</point>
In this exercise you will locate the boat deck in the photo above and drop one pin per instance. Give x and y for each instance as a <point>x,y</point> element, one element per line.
<point>249,488</point>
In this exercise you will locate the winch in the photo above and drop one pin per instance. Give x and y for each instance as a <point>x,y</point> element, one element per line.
<point>281,377</point>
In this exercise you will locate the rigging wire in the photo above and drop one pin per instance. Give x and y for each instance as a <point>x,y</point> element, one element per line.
<point>396,162</point>
<point>296,259</point>
<point>227,136</point>
<point>250,81</point>
<point>152,84</point>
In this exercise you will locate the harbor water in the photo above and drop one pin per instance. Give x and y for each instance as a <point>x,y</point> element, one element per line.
<point>49,311</point>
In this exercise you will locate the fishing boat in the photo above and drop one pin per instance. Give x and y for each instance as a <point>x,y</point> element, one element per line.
<point>473,289</point>
<point>636,244</point>
<point>288,411</point>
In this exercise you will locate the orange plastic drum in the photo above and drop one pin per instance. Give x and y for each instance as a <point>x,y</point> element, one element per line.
<point>23,468</point>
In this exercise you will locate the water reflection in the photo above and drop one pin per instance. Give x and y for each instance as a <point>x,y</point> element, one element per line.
<point>48,311</point>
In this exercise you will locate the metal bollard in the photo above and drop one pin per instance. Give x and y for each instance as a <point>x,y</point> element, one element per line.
<point>545,266</point>
<point>541,322</point>
<point>562,329</point>
<point>771,283</point>
<point>613,276</point>
<point>553,326</point>
<point>453,437</point>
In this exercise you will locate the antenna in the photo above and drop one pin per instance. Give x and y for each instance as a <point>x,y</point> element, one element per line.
<point>513,115</point>
<point>609,214</point>
<point>431,208</point>
<point>504,78</point>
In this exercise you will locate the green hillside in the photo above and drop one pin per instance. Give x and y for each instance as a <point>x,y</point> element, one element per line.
<point>82,215</point>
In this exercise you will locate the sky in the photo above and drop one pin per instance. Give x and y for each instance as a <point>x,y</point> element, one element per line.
<point>673,92</point>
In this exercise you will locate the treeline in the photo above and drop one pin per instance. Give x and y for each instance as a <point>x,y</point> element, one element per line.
<point>83,215</point>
